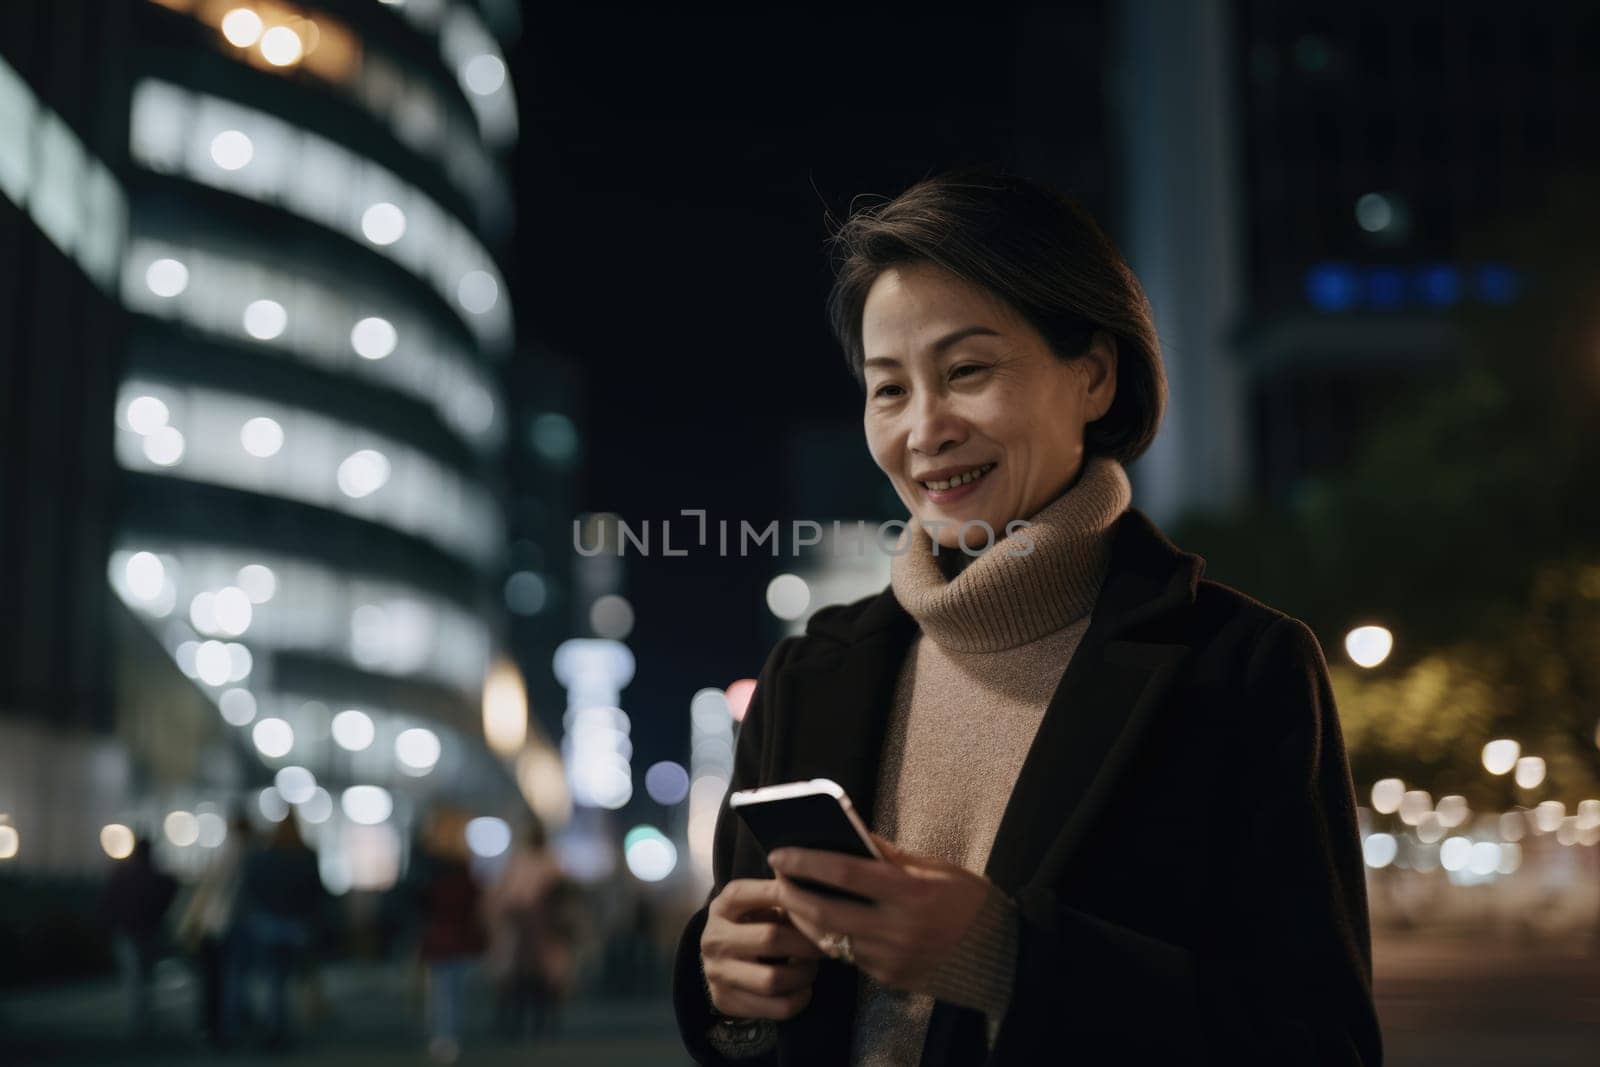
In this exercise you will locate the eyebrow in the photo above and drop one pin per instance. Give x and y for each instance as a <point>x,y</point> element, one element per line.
<point>940,347</point>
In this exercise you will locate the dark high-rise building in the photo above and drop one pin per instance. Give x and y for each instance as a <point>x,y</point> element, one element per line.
<point>1315,192</point>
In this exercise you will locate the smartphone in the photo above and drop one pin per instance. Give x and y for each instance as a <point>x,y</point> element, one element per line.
<point>811,814</point>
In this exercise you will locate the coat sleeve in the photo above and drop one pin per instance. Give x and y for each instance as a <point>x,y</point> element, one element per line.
<point>709,1037</point>
<point>1292,983</point>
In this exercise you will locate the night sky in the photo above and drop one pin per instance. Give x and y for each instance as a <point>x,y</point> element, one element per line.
<point>673,175</point>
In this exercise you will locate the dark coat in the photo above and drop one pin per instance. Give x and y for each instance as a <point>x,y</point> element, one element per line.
<point>1181,840</point>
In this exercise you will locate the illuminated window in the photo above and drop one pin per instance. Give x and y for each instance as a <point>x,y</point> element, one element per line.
<point>329,326</point>
<point>173,131</point>
<point>217,437</point>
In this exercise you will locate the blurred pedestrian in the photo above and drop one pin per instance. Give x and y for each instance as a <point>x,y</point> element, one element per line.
<point>280,900</point>
<point>453,935</point>
<point>530,954</point>
<point>137,896</point>
<point>207,928</point>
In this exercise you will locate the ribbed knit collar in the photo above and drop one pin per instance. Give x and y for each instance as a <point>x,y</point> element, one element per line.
<point>1001,600</point>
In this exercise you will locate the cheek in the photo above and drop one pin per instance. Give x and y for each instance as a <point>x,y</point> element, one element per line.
<point>880,446</point>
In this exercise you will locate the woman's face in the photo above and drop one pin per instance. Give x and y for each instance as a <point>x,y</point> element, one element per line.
<point>958,383</point>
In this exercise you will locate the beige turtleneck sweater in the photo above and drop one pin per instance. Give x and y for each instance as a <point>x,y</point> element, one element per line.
<point>997,633</point>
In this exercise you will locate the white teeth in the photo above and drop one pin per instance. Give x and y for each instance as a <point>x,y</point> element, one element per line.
<point>962,479</point>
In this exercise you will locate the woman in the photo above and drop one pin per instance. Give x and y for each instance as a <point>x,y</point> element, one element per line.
<point>1113,795</point>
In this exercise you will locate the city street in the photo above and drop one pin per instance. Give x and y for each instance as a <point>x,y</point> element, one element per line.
<point>1444,1002</point>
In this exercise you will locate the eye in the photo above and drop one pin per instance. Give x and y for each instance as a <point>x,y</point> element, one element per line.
<point>956,373</point>
<point>880,390</point>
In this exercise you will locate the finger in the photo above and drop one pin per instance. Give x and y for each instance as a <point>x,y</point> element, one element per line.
<point>870,878</point>
<point>754,940</point>
<point>744,895</point>
<point>762,979</point>
<point>891,851</point>
<point>816,914</point>
<point>742,1005</point>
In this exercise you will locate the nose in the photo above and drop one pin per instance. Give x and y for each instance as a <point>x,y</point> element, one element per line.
<point>934,425</point>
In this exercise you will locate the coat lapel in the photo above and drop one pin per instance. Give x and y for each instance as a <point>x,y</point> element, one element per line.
<point>1110,694</point>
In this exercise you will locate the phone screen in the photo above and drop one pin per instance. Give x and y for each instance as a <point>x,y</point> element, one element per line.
<point>816,821</point>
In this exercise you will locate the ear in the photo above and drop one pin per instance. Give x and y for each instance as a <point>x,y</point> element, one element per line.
<point>1100,364</point>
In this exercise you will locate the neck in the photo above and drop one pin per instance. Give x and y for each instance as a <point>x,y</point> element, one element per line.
<point>1025,586</point>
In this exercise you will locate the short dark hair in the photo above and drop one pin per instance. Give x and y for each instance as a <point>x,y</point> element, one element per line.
<point>1034,248</point>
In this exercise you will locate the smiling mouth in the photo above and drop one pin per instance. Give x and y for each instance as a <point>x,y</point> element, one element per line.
<point>960,479</point>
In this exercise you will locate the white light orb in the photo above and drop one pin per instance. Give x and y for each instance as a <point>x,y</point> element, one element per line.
<point>1513,826</point>
<point>1530,772</point>
<point>1455,853</point>
<point>353,730</point>
<point>373,338</point>
<point>1547,815</point>
<point>164,447</point>
<point>213,829</point>
<point>1484,858</point>
<point>295,784</point>
<point>709,712</point>
<point>666,782</point>
<point>265,319</point>
<point>367,805</point>
<point>273,807</point>
<point>1386,794</point>
<point>1510,858</point>
<point>611,616</point>
<point>232,150</point>
<point>1414,804</point>
<point>282,47</point>
<point>317,808</point>
<point>1588,814</point>
<point>788,596</point>
<point>383,223</point>
<point>203,612</point>
<point>1368,646</point>
<point>166,277</point>
<point>232,609</point>
<point>483,75</point>
<point>363,473</point>
<point>261,437</point>
<point>477,291</point>
<point>1452,811</point>
<point>1500,756</point>
<point>241,27</point>
<point>273,738</point>
<point>116,840</point>
<point>239,661</point>
<point>417,748</point>
<point>185,655</point>
<point>146,415</point>
<point>211,663</point>
<point>258,582</point>
<point>145,575</point>
<point>1380,850</point>
<point>1374,212</point>
<point>181,828</point>
<point>488,836</point>
<point>10,841</point>
<point>238,707</point>
<point>651,857</point>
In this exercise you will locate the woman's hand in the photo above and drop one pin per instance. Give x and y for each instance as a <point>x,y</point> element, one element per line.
<point>921,907</point>
<point>757,964</point>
